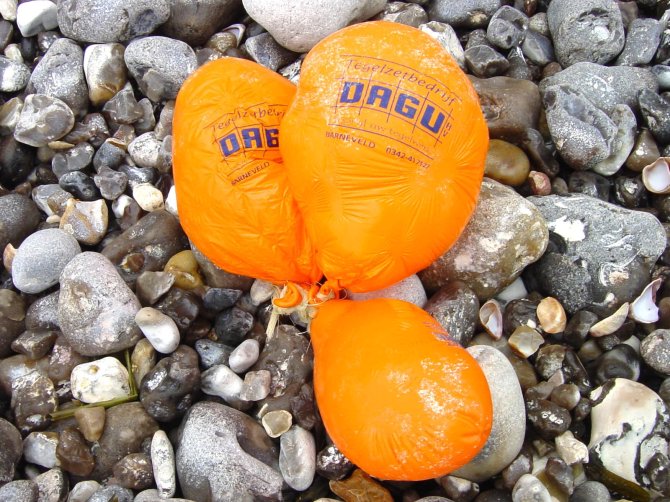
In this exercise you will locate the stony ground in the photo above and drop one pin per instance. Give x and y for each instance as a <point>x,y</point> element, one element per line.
<point>557,286</point>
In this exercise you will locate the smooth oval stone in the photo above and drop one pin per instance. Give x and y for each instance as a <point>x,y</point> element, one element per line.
<point>134,471</point>
<point>464,13</point>
<point>456,307</point>
<point>101,380</point>
<point>163,462</point>
<point>509,416</point>
<point>195,21</point>
<point>224,468</point>
<point>504,235</point>
<point>409,290</point>
<point>96,312</point>
<point>43,119</point>
<point>297,458</point>
<point>105,71</point>
<point>655,351</point>
<point>74,454</point>
<point>244,356</point>
<point>52,485</point>
<point>41,258</point>
<point>530,489</point>
<point>160,330</point>
<point>506,163</point>
<point>221,381</point>
<point>101,21</point>
<point>82,491</point>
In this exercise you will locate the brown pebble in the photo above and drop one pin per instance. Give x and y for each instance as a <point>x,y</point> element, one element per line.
<point>359,486</point>
<point>540,184</point>
<point>184,267</point>
<point>91,422</point>
<point>74,454</point>
<point>134,471</point>
<point>506,163</point>
<point>644,152</point>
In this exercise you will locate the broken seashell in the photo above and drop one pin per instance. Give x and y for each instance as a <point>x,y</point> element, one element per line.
<point>514,291</point>
<point>277,422</point>
<point>237,30</point>
<point>490,316</point>
<point>8,257</point>
<point>644,309</point>
<point>612,323</point>
<point>525,341</point>
<point>656,176</point>
<point>551,315</point>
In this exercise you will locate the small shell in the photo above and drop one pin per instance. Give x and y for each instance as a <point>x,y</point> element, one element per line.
<point>277,422</point>
<point>656,176</point>
<point>551,315</point>
<point>612,323</point>
<point>644,309</point>
<point>525,341</point>
<point>490,315</point>
<point>237,30</point>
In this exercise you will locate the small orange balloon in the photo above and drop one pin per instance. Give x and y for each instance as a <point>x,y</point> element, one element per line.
<point>396,396</point>
<point>232,190</point>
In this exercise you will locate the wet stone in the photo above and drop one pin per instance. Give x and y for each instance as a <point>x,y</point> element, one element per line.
<point>160,65</point>
<point>212,353</point>
<point>35,344</point>
<point>622,361</point>
<point>644,35</point>
<point>538,48</point>
<point>484,61</point>
<point>142,360</point>
<point>240,460</point>
<point>629,192</point>
<point>101,21</point>
<point>547,418</point>
<point>13,75</point>
<point>589,183</point>
<point>21,490</point>
<point>455,306</point>
<point>33,398</point>
<point>12,316</point>
<point>80,185</point>
<point>464,13</point>
<point>43,119</point>
<point>504,235</point>
<point>359,485</point>
<point>332,464</point>
<point>73,453</point>
<point>256,385</point>
<point>134,471</point>
<point>232,325</point>
<point>170,387</point>
<point>645,151</point>
<point>507,28</point>
<point>655,112</point>
<point>218,299</point>
<point>96,312</point>
<point>506,163</point>
<point>91,422</point>
<point>105,71</point>
<point>195,22</point>
<point>121,108</point>
<point>181,306</point>
<point>51,199</point>
<point>277,422</point>
<point>110,183</point>
<point>63,360</point>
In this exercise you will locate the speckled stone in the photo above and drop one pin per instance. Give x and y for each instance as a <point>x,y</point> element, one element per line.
<point>655,351</point>
<point>19,217</point>
<point>12,450</point>
<point>21,490</point>
<point>409,290</point>
<point>195,21</point>
<point>43,119</point>
<point>101,380</point>
<point>456,307</point>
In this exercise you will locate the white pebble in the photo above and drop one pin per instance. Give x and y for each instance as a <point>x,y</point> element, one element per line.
<point>120,204</point>
<point>100,380</point>
<point>261,291</point>
<point>36,16</point>
<point>530,489</point>
<point>571,449</point>
<point>148,197</point>
<point>40,448</point>
<point>244,356</point>
<point>220,380</point>
<point>8,10</point>
<point>162,460</point>
<point>83,491</point>
<point>297,458</point>
<point>159,329</point>
<point>145,150</point>
<point>171,202</point>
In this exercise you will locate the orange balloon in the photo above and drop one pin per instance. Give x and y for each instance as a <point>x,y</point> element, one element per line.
<point>385,144</point>
<point>397,397</point>
<point>233,196</point>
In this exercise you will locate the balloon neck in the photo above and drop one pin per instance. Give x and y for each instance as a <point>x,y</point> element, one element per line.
<point>302,300</point>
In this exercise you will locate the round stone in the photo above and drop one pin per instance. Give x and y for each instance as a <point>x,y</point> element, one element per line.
<point>655,351</point>
<point>14,75</point>
<point>297,458</point>
<point>506,163</point>
<point>160,329</point>
<point>244,356</point>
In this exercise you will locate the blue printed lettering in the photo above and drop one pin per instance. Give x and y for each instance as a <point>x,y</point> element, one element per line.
<point>405,110</point>
<point>428,115</point>
<point>347,96</point>
<point>380,94</point>
<point>229,144</point>
<point>252,136</point>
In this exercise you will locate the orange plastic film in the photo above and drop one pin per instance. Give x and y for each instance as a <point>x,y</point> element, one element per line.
<point>397,397</point>
<point>233,196</point>
<point>385,145</point>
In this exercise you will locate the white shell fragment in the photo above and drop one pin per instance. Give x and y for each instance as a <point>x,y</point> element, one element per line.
<point>490,316</point>
<point>160,329</point>
<point>525,341</point>
<point>514,291</point>
<point>237,30</point>
<point>163,462</point>
<point>99,381</point>
<point>656,176</point>
<point>277,422</point>
<point>551,315</point>
<point>612,323</point>
<point>644,309</point>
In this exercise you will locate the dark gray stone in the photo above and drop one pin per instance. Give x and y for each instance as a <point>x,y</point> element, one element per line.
<point>195,21</point>
<point>12,316</point>
<point>267,52</point>
<point>43,119</point>
<point>484,61</point>
<point>656,114</point>
<point>538,48</point>
<point>644,35</point>
<point>456,307</point>
<point>507,28</point>
<point>463,13</point>
<point>655,351</point>
<point>11,451</point>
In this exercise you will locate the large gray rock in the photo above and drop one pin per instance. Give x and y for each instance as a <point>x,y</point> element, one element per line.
<point>588,30</point>
<point>195,21</point>
<point>298,25</point>
<point>464,13</point>
<point>505,234</point>
<point>509,416</point>
<point>101,21</point>
<point>96,309</point>
<point>239,462</point>
<point>601,254</point>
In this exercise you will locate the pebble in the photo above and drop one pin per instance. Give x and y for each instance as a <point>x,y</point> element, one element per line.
<point>12,319</point>
<point>484,61</point>
<point>196,22</point>
<point>101,380</point>
<point>160,330</point>
<point>85,221</point>
<point>538,48</point>
<point>105,71</point>
<point>151,286</point>
<point>41,258</point>
<point>91,422</point>
<point>456,307</point>
<point>40,448</point>
<point>135,471</point>
<point>19,217</point>
<point>33,398</point>
<point>142,360</point>
<point>216,277</point>
<point>464,13</point>
<point>102,21</point>
<point>80,185</point>
<point>297,458</point>
<point>594,268</point>
<point>74,453</point>
<point>244,356</point>
<point>163,462</point>
<point>52,485</point>
<point>21,490</point>
<point>591,491</point>
<point>507,28</point>
<point>112,493</point>
<point>265,50</point>
<point>76,158</point>
<point>256,385</point>
<point>36,16</point>
<point>232,325</point>
<point>34,344</point>
<point>655,113</point>
<point>548,419</point>
<point>14,75</point>
<point>530,489</point>
<point>645,152</point>
<point>83,490</point>
<point>504,235</point>
<point>303,23</point>
<point>509,416</point>
<point>447,38</point>
<point>221,381</point>
<point>409,290</point>
<point>628,425</point>
<point>404,13</point>
<point>642,39</point>
<point>506,163</point>
<point>51,199</point>
<point>96,312</point>
<point>11,452</point>
<point>170,387</point>
<point>212,353</point>
<point>224,468</point>
<point>332,464</point>
<point>655,351</point>
<point>360,485</point>
<point>160,65</point>
<point>110,183</point>
<point>571,450</point>
<point>63,360</point>
<point>591,30</point>
<point>43,119</point>
<point>276,422</point>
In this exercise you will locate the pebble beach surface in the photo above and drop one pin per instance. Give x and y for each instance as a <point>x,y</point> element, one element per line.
<point>134,369</point>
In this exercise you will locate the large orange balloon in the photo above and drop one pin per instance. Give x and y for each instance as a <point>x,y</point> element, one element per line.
<point>232,191</point>
<point>385,145</point>
<point>397,397</point>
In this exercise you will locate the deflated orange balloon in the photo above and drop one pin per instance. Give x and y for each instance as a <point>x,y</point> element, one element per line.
<point>397,397</point>
<point>233,196</point>
<point>385,145</point>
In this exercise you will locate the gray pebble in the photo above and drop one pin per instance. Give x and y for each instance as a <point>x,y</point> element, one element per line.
<point>83,490</point>
<point>591,491</point>
<point>256,385</point>
<point>105,71</point>
<point>644,35</point>
<point>297,458</point>
<point>464,13</point>
<point>43,119</point>
<point>530,489</point>
<point>484,61</point>
<point>410,14</point>
<point>19,217</point>
<point>160,65</point>
<point>538,48</point>
<point>112,493</point>
<point>14,76</point>
<point>110,183</point>
<point>244,356</point>
<point>11,452</point>
<point>232,325</point>
<point>212,353</point>
<point>195,21</point>
<point>267,52</point>
<point>41,258</point>
<point>456,307</point>
<point>22,490</point>
<point>656,114</point>
<point>507,28</point>
<point>101,21</point>
<point>655,351</point>
<point>33,398</point>
<point>52,485</point>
